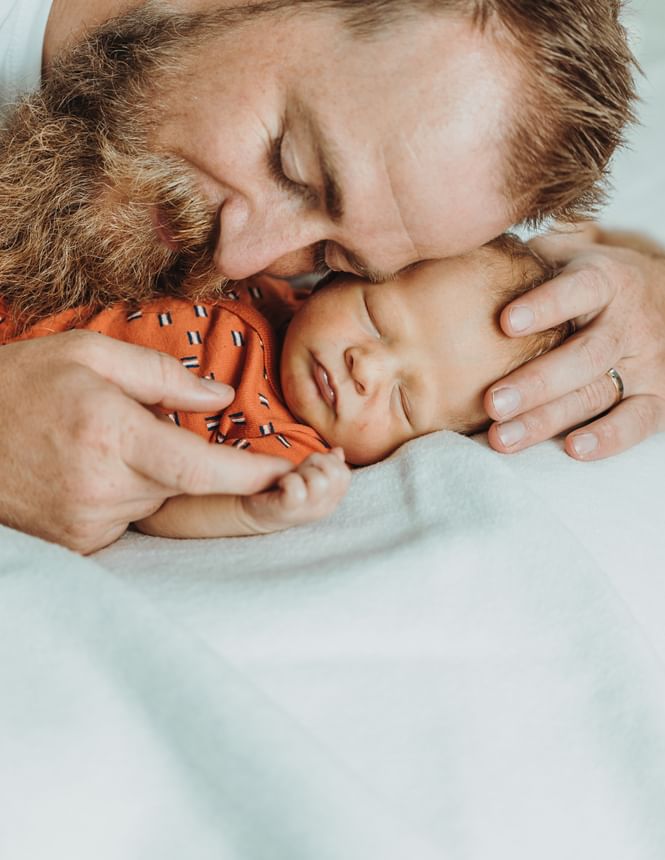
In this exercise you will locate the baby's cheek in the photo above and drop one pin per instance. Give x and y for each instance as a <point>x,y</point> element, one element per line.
<point>365,442</point>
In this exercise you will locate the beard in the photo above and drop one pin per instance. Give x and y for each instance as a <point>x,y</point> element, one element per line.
<point>81,194</point>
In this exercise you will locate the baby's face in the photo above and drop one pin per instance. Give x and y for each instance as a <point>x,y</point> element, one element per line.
<point>370,366</point>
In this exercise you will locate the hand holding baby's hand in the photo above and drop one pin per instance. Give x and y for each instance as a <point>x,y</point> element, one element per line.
<point>311,491</point>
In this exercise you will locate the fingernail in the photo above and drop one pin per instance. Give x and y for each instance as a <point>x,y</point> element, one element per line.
<point>585,444</point>
<point>511,433</point>
<point>506,401</point>
<point>218,388</point>
<point>521,318</point>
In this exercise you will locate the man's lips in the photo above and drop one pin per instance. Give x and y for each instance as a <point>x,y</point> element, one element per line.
<point>162,232</point>
<point>325,385</point>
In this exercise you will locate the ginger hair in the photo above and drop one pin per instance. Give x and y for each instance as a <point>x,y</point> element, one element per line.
<point>516,270</point>
<point>577,100</point>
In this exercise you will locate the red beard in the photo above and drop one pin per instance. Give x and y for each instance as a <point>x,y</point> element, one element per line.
<point>80,192</point>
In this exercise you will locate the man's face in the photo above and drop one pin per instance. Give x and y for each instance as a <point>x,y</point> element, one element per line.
<point>229,146</point>
<point>312,145</point>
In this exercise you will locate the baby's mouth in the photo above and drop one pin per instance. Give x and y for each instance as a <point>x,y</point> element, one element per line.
<point>325,385</point>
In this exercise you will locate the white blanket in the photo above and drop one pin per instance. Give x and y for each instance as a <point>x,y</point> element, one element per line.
<point>465,661</point>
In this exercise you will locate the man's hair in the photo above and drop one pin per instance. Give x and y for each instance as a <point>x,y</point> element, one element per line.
<point>578,95</point>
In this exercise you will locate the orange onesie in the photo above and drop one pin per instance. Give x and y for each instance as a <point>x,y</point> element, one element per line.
<point>229,340</point>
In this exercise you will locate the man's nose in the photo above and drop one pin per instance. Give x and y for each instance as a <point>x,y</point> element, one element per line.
<point>278,237</point>
<point>367,366</point>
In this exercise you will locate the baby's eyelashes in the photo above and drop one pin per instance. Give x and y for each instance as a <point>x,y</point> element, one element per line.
<point>405,406</point>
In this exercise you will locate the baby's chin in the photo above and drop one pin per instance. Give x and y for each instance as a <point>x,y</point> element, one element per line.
<point>355,455</point>
<point>301,401</point>
<point>362,452</point>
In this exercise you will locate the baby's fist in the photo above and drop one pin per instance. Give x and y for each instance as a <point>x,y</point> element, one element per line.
<point>311,491</point>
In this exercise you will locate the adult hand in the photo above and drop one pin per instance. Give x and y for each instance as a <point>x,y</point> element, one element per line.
<point>616,295</point>
<point>81,458</point>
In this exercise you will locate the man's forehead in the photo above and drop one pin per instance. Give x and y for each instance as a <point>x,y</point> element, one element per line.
<point>426,196</point>
<point>421,162</point>
<point>448,190</point>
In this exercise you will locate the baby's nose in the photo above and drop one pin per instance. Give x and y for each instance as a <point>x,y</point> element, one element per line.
<point>365,368</point>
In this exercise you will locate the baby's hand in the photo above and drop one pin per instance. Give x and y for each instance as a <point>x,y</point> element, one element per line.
<point>311,491</point>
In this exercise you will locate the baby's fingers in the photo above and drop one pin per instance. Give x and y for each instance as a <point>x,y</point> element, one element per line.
<point>293,491</point>
<point>319,482</point>
<point>326,473</point>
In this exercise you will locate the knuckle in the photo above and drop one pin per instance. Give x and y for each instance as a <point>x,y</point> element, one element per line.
<point>72,376</point>
<point>167,368</point>
<point>623,270</point>
<point>594,277</point>
<point>79,533</point>
<point>81,345</point>
<point>312,478</point>
<point>646,416</point>
<point>192,477</point>
<point>537,426</point>
<point>595,351</point>
<point>592,399</point>
<point>618,434</point>
<point>89,427</point>
<point>616,270</point>
<point>609,435</point>
<point>538,384</point>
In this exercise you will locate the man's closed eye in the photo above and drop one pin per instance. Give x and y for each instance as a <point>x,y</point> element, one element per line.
<point>283,169</point>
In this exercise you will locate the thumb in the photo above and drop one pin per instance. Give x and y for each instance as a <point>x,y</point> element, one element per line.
<point>147,376</point>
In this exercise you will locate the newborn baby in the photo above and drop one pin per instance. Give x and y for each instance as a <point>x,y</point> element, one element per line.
<point>363,369</point>
<point>371,366</point>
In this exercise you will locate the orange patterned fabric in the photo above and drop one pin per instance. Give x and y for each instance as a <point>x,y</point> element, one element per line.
<point>229,340</point>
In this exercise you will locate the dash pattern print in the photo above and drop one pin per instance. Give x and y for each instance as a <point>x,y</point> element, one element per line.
<point>230,341</point>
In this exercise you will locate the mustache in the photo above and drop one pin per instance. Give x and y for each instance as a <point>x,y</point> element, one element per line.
<point>79,184</point>
<point>80,237</point>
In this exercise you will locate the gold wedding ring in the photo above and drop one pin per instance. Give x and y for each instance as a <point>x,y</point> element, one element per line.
<point>615,376</point>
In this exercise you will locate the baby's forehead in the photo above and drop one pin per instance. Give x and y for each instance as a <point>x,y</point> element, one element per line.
<point>495,274</point>
<point>458,284</point>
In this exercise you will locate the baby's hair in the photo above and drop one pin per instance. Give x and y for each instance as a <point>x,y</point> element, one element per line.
<point>526,270</point>
<point>530,272</point>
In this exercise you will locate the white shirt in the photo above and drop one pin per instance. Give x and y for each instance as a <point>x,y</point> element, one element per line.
<point>22,29</point>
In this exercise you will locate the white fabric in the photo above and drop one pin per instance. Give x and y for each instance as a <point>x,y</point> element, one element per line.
<point>22,27</point>
<point>465,661</point>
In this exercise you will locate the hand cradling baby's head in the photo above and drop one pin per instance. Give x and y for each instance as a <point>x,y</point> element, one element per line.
<point>371,366</point>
